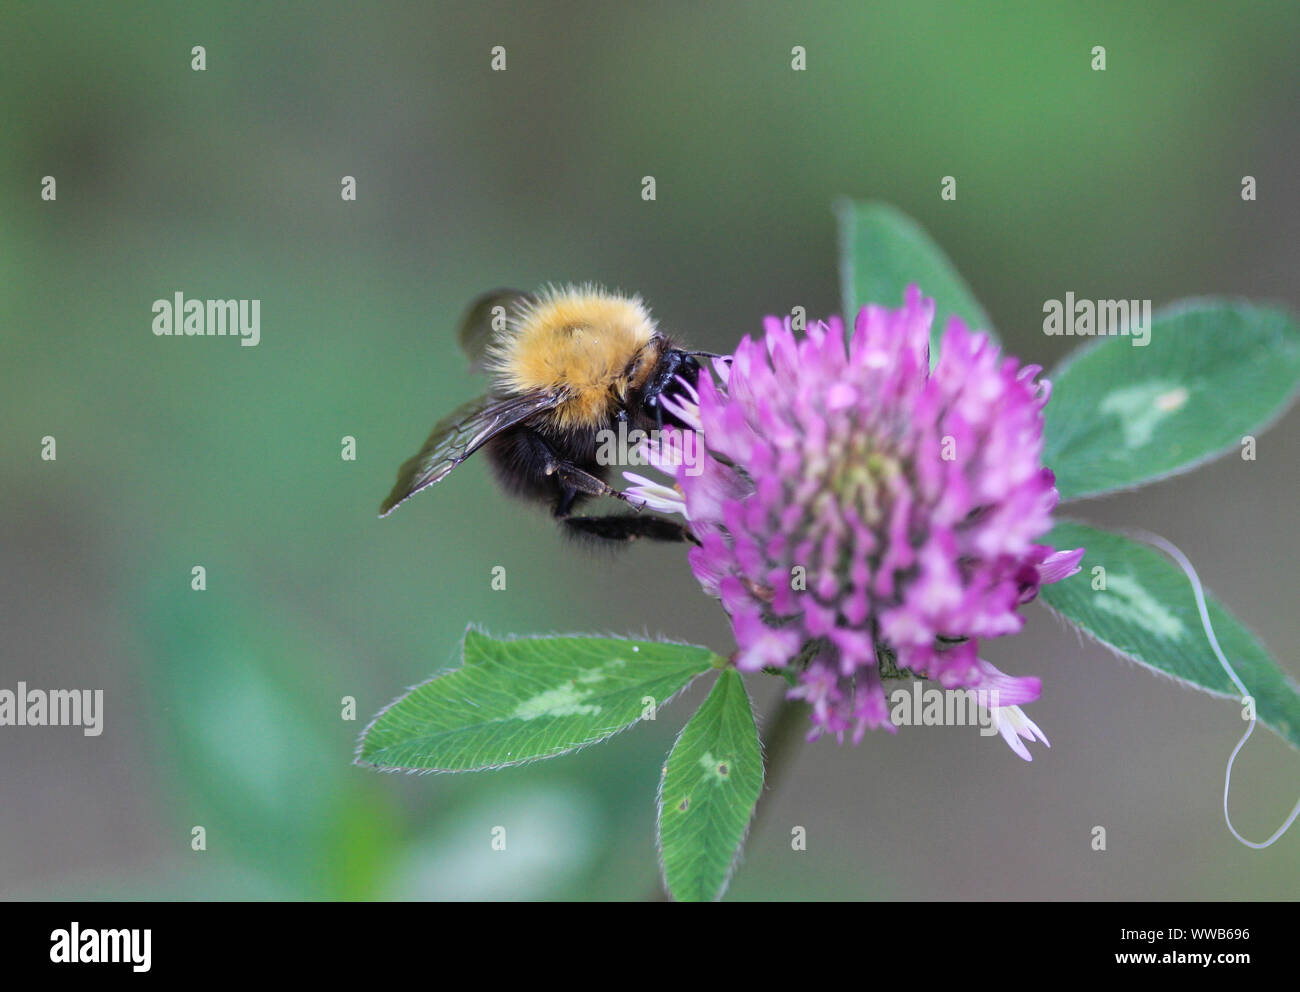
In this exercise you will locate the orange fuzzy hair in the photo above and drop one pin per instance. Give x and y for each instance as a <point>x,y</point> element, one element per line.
<point>581,340</point>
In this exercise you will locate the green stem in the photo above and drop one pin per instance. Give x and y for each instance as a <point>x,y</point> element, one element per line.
<point>786,729</point>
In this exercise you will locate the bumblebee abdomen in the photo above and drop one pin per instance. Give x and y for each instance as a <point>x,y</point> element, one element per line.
<point>522,455</point>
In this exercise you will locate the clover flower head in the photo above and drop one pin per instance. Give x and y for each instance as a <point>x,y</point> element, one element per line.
<point>862,516</point>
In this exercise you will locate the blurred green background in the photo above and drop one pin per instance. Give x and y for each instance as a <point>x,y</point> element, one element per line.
<point>223,707</point>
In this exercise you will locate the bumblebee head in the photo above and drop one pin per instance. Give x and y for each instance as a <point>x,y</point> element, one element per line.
<point>671,364</point>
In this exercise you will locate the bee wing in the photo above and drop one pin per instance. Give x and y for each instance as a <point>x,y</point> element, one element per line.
<point>476,331</point>
<point>459,435</point>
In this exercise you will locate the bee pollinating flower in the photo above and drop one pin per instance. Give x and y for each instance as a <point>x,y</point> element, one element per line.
<point>568,366</point>
<point>863,516</point>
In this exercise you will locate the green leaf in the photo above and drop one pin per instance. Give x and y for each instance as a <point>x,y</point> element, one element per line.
<point>1124,415</point>
<point>882,251</point>
<point>1147,613</point>
<point>710,784</point>
<point>527,698</point>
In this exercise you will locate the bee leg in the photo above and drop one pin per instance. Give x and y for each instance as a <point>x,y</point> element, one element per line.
<point>576,480</point>
<point>565,505</point>
<point>627,527</point>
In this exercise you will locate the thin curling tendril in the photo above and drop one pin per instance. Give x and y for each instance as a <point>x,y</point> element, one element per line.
<point>1181,560</point>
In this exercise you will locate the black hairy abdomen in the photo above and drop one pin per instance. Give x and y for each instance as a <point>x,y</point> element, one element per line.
<point>521,455</point>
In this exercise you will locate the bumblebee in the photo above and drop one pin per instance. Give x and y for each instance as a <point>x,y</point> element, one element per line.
<point>565,364</point>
